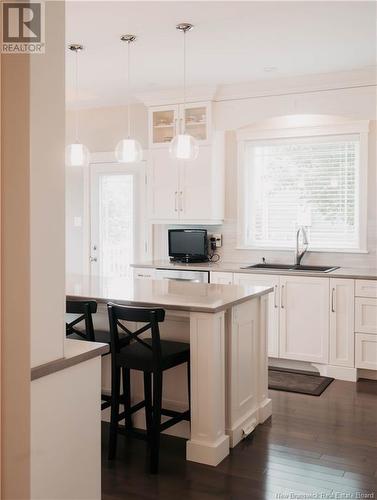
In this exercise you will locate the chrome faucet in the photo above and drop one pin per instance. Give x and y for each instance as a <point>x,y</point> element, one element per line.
<point>300,254</point>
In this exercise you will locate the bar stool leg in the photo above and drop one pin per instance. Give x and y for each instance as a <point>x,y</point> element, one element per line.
<point>148,403</point>
<point>155,435</point>
<point>126,381</point>
<point>115,392</point>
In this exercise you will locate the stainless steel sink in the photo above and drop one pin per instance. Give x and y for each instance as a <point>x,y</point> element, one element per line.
<point>268,266</point>
<point>290,267</point>
<point>321,269</point>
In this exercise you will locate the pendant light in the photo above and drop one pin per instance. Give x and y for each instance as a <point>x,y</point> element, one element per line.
<point>128,150</point>
<point>184,146</point>
<point>76,154</point>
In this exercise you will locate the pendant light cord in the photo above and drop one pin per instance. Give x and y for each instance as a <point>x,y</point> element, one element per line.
<point>77,96</point>
<point>128,92</point>
<point>184,81</point>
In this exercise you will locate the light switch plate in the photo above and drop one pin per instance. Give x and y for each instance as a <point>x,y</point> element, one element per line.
<point>219,239</point>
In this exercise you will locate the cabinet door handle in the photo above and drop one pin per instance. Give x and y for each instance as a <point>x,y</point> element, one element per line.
<point>181,201</point>
<point>176,201</point>
<point>275,296</point>
<point>333,300</point>
<point>281,297</point>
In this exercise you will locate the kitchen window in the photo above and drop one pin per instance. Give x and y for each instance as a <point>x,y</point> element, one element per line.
<point>318,181</point>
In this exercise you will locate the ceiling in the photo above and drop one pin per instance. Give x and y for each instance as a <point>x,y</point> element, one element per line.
<point>232,42</point>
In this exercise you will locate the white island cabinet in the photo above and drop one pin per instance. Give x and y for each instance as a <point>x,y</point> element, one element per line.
<point>226,328</point>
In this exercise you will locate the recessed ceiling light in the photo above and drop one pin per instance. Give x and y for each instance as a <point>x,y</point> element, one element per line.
<point>270,69</point>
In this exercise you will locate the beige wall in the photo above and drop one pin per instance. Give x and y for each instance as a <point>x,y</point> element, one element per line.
<point>15,279</point>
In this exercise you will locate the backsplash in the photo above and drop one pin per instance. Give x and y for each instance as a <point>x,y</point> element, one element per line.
<point>229,252</point>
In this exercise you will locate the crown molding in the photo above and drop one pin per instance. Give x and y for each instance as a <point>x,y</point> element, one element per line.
<point>320,82</point>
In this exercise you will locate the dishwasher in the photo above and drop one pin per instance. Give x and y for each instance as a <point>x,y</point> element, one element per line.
<point>182,275</point>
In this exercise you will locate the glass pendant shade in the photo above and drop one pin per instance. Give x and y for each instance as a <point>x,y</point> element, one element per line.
<point>77,155</point>
<point>128,151</point>
<point>184,147</point>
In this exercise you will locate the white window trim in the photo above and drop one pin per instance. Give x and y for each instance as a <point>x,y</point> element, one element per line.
<point>360,127</point>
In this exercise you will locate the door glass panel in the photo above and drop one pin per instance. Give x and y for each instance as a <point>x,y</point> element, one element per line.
<point>163,126</point>
<point>196,122</point>
<point>116,224</point>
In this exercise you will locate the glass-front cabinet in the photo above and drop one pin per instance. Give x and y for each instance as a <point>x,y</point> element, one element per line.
<point>167,121</point>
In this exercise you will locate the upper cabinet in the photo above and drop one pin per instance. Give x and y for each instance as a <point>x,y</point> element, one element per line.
<point>167,121</point>
<point>185,192</point>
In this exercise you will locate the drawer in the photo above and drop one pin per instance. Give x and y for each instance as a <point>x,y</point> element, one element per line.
<point>366,351</point>
<point>365,315</point>
<point>366,288</point>
<point>144,273</point>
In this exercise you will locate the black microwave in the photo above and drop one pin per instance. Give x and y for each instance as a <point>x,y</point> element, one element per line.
<point>188,245</point>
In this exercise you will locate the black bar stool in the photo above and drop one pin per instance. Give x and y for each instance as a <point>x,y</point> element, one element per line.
<point>152,356</point>
<point>81,311</point>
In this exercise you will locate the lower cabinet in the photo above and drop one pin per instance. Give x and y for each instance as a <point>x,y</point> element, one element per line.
<point>273,306</point>
<point>304,318</point>
<point>342,317</point>
<point>221,278</point>
<point>366,351</point>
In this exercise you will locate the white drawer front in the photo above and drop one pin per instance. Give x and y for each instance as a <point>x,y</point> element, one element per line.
<point>144,273</point>
<point>366,288</point>
<point>366,351</point>
<point>365,315</point>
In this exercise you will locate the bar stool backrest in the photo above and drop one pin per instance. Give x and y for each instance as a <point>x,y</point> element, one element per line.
<point>85,308</point>
<point>151,318</point>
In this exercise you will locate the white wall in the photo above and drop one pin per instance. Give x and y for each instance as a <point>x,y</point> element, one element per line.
<point>47,191</point>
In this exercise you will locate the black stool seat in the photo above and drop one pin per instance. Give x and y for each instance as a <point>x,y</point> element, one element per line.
<point>137,357</point>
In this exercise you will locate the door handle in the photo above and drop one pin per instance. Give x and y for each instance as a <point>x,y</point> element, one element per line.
<point>333,300</point>
<point>275,296</point>
<point>176,201</point>
<point>181,201</point>
<point>281,297</point>
<point>92,259</point>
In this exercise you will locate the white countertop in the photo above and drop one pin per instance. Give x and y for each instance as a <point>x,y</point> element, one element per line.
<point>236,267</point>
<point>183,296</point>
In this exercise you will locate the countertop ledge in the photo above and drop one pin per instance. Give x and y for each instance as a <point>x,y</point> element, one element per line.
<point>76,351</point>
<point>236,267</point>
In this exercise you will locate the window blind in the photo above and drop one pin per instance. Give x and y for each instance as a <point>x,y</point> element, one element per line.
<point>302,181</point>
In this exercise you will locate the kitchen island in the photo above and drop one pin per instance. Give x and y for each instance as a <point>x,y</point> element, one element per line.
<point>226,326</point>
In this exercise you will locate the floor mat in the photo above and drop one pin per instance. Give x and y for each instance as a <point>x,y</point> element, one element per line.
<point>299,381</point>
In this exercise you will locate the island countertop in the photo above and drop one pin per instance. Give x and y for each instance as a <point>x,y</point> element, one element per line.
<point>182,296</point>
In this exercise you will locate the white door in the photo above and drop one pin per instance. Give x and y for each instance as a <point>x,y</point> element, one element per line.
<point>114,216</point>
<point>304,318</point>
<point>273,306</point>
<point>163,186</point>
<point>342,307</point>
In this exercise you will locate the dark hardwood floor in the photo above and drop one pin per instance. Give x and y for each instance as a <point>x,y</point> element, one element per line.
<point>311,446</point>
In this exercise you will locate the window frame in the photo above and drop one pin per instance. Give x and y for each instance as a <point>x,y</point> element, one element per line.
<point>247,135</point>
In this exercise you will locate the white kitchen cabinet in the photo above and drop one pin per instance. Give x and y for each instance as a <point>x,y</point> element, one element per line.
<point>163,186</point>
<point>366,288</point>
<point>366,351</point>
<point>304,318</point>
<point>187,192</point>
<point>221,278</point>
<point>342,306</point>
<point>273,305</point>
<point>167,121</point>
<point>366,315</point>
